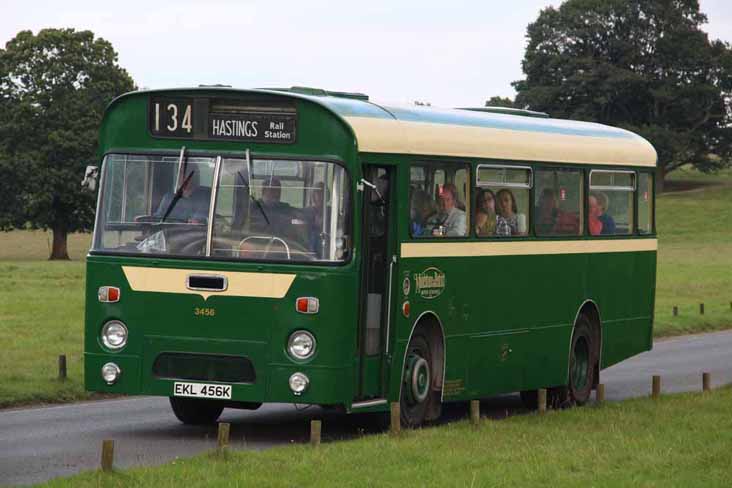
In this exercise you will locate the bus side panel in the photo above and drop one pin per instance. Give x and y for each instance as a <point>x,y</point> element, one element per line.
<point>621,287</point>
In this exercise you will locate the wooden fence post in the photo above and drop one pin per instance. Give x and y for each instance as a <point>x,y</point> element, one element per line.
<point>541,397</point>
<point>475,412</point>
<point>396,421</point>
<point>223,438</point>
<point>62,367</point>
<point>701,309</point>
<point>676,311</point>
<point>600,393</point>
<point>656,389</point>
<point>107,455</point>
<point>315,429</point>
<point>706,382</point>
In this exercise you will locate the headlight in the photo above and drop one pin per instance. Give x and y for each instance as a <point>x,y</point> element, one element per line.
<point>114,335</point>
<point>299,383</point>
<point>111,373</point>
<point>301,345</point>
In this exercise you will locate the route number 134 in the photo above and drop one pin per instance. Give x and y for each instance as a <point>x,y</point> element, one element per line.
<point>171,118</point>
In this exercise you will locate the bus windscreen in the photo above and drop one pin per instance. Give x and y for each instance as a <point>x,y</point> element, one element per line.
<point>222,207</point>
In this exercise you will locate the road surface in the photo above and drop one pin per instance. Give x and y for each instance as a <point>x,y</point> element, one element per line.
<point>37,444</point>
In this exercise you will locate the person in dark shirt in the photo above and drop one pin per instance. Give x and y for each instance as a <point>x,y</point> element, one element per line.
<point>190,205</point>
<point>608,223</point>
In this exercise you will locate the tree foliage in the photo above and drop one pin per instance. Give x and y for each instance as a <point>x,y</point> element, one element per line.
<point>644,65</point>
<point>54,87</point>
<point>498,101</point>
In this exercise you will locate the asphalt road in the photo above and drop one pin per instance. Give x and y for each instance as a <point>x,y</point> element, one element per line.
<point>37,444</point>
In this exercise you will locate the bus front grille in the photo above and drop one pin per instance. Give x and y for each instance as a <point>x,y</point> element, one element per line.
<point>204,367</point>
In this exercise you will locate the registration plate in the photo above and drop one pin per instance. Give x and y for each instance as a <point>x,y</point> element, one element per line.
<point>202,390</point>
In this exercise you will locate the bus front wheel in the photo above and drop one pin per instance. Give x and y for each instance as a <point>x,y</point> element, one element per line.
<point>416,382</point>
<point>195,411</point>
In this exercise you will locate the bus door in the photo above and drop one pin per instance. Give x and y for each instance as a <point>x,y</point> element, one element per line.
<point>377,262</point>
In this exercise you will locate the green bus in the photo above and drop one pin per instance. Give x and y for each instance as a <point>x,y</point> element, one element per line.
<point>312,247</point>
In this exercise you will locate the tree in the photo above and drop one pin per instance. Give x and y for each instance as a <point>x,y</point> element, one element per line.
<point>644,65</point>
<point>54,88</point>
<point>498,101</point>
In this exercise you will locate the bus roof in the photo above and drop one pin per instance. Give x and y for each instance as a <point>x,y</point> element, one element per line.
<point>430,131</point>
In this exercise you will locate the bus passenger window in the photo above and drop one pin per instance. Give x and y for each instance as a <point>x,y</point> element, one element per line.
<point>439,201</point>
<point>610,202</point>
<point>645,203</point>
<point>558,202</point>
<point>508,187</point>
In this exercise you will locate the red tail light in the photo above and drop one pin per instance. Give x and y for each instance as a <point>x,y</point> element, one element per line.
<point>307,305</point>
<point>108,294</point>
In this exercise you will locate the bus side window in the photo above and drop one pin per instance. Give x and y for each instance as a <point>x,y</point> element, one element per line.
<point>439,200</point>
<point>558,202</point>
<point>508,187</point>
<point>610,202</point>
<point>645,203</point>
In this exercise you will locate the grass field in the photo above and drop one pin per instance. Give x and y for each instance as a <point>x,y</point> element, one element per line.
<point>680,440</point>
<point>41,302</point>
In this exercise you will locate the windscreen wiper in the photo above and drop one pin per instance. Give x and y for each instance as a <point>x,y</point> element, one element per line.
<point>256,202</point>
<point>183,164</point>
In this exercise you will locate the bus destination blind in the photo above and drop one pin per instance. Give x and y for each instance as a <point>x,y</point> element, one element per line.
<point>191,118</point>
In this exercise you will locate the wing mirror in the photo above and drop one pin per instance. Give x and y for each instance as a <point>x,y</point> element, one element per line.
<point>91,175</point>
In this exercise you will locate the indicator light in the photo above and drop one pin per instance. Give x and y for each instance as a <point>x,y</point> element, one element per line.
<point>405,308</point>
<point>307,305</point>
<point>108,294</point>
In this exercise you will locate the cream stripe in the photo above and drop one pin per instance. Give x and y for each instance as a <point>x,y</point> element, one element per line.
<point>164,280</point>
<point>523,248</point>
<point>396,136</point>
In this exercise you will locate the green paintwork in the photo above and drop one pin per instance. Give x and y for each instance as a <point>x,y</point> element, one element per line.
<point>507,320</point>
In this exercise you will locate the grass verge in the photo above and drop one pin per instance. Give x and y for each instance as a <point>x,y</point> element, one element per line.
<point>679,440</point>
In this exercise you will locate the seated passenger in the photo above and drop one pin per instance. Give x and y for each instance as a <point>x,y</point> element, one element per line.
<point>485,217</point>
<point>453,222</point>
<point>547,213</point>
<point>509,222</point>
<point>421,211</point>
<point>608,224</point>
<point>595,223</point>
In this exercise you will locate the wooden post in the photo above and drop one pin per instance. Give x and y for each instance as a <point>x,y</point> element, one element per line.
<point>701,309</point>
<point>315,428</point>
<point>676,311</point>
<point>62,367</point>
<point>600,393</point>
<point>223,439</point>
<point>475,412</point>
<point>107,455</point>
<point>541,397</point>
<point>396,422</point>
<point>706,381</point>
<point>656,391</point>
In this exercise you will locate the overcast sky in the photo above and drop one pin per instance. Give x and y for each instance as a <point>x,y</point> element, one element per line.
<point>449,53</point>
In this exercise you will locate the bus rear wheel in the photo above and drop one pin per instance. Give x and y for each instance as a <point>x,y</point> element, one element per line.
<point>416,382</point>
<point>582,361</point>
<point>196,411</point>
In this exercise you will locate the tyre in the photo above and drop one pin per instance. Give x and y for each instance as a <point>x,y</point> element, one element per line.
<point>194,411</point>
<point>582,360</point>
<point>416,382</point>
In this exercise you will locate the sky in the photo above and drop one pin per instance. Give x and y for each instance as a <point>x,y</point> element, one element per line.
<point>448,53</point>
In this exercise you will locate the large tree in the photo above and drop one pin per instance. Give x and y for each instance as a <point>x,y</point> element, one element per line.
<point>54,87</point>
<point>644,65</point>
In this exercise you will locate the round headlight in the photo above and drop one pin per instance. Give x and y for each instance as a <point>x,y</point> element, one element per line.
<point>114,335</point>
<point>301,345</point>
<point>299,383</point>
<point>111,373</point>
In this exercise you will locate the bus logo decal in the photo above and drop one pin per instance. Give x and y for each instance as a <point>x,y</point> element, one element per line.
<point>430,283</point>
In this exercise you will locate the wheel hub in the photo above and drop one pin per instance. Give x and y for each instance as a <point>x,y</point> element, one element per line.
<point>417,379</point>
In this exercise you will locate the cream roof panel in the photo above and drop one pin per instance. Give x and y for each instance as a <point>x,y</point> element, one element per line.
<point>384,135</point>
